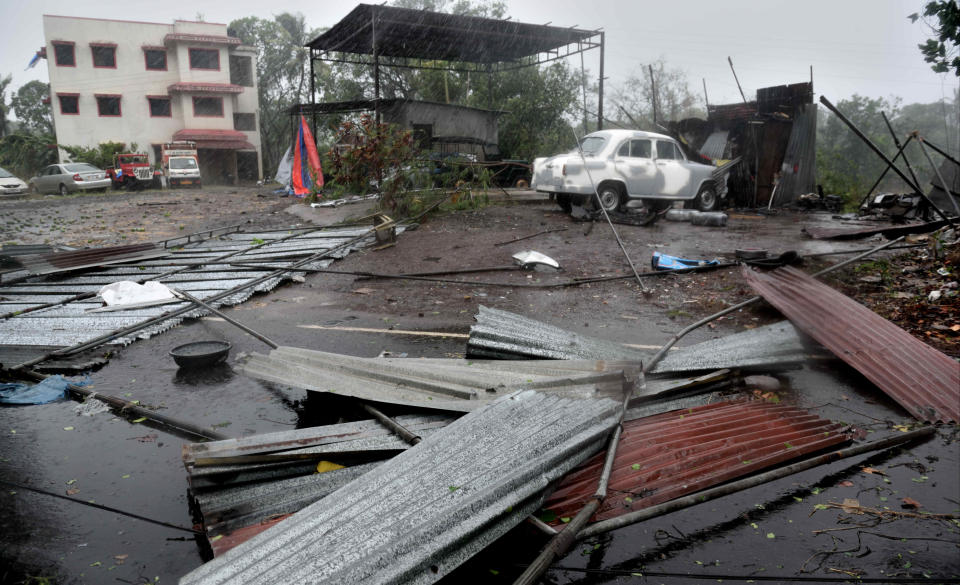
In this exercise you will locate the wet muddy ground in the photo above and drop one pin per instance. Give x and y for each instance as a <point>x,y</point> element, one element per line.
<point>763,533</point>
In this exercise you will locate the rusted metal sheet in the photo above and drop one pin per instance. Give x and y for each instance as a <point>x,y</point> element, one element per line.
<point>860,230</point>
<point>669,455</point>
<point>64,261</point>
<point>921,379</point>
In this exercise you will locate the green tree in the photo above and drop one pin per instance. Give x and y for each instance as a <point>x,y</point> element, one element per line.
<point>675,101</point>
<point>943,18</point>
<point>283,75</point>
<point>23,154</point>
<point>845,164</point>
<point>28,104</point>
<point>4,109</point>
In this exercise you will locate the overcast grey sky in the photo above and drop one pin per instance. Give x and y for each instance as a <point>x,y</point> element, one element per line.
<point>855,46</point>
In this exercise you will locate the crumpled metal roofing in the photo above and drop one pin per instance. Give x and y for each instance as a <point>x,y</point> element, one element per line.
<point>421,514</point>
<point>665,456</point>
<point>503,335</point>
<point>437,384</point>
<point>856,230</point>
<point>238,486</point>
<point>921,379</point>
<point>86,258</point>
<point>777,344</point>
<point>69,324</point>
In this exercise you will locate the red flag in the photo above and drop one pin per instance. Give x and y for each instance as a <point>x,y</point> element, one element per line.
<point>305,176</point>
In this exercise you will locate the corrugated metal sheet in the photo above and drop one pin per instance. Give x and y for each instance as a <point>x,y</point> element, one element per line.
<point>67,325</point>
<point>665,456</point>
<point>715,145</point>
<point>764,348</point>
<point>799,169</point>
<point>921,379</point>
<point>65,261</point>
<point>238,485</point>
<point>424,512</point>
<point>854,231</point>
<point>450,385</point>
<point>504,335</point>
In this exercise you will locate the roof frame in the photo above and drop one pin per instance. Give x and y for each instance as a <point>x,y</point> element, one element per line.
<point>391,36</point>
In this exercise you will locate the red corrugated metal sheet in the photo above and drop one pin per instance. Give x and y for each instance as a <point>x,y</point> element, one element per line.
<point>923,380</point>
<point>669,455</point>
<point>64,261</point>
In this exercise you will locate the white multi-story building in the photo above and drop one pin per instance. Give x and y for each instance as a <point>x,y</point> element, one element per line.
<point>145,84</point>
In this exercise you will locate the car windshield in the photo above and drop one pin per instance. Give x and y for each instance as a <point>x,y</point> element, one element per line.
<point>183,163</point>
<point>592,144</point>
<point>4,174</point>
<point>80,168</point>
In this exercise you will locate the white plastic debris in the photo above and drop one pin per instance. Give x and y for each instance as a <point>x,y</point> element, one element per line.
<point>127,292</point>
<point>529,258</point>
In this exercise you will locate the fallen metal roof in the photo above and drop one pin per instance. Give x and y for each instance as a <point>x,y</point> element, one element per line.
<point>861,230</point>
<point>504,335</point>
<point>508,336</point>
<point>214,275</point>
<point>669,455</point>
<point>421,514</point>
<point>238,486</point>
<point>444,385</point>
<point>921,379</point>
<point>775,345</point>
<point>89,258</point>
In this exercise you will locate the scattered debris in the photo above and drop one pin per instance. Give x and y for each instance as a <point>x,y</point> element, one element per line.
<point>424,512</point>
<point>530,258</point>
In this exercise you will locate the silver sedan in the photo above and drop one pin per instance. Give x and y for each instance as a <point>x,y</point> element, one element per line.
<point>69,177</point>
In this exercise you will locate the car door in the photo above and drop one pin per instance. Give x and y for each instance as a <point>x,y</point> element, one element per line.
<point>634,163</point>
<point>45,179</point>
<point>674,179</point>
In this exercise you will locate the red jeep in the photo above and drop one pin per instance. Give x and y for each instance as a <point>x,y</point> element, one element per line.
<point>131,171</point>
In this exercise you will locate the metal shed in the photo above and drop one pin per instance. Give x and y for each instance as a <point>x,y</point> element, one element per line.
<point>404,37</point>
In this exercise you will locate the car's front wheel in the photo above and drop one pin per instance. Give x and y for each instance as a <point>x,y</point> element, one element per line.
<point>611,196</point>
<point>63,189</point>
<point>706,199</point>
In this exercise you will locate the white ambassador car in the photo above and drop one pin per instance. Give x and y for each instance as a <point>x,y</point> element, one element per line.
<point>628,169</point>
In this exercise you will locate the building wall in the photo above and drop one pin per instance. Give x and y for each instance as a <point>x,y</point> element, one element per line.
<point>447,120</point>
<point>131,80</point>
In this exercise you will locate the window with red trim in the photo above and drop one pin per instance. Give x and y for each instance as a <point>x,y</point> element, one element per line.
<point>108,105</point>
<point>208,106</point>
<point>246,122</point>
<point>159,107</point>
<point>69,103</point>
<point>104,56</point>
<point>63,54</point>
<point>205,59</point>
<point>155,59</point>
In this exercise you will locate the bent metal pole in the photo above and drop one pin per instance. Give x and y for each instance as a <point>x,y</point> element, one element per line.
<point>593,187</point>
<point>895,168</point>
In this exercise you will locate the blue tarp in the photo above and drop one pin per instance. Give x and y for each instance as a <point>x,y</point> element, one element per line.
<point>667,262</point>
<point>52,389</point>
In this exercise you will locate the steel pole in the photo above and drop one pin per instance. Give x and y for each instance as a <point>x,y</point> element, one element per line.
<point>876,150</point>
<point>936,169</point>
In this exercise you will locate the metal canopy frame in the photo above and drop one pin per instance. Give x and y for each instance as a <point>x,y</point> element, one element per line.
<point>390,36</point>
